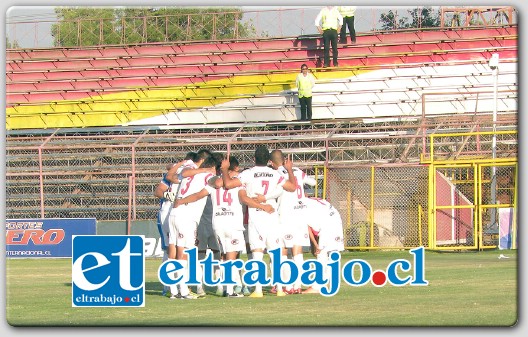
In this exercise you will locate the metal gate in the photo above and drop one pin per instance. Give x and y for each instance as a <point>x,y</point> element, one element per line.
<point>472,201</point>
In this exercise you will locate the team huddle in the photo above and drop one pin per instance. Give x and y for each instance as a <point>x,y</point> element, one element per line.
<point>207,202</point>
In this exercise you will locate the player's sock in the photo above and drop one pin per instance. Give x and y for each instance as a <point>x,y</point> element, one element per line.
<point>298,260</point>
<point>218,276</point>
<point>173,288</point>
<point>199,277</point>
<point>236,278</point>
<point>258,256</point>
<point>183,272</point>
<point>164,259</point>
<point>286,274</point>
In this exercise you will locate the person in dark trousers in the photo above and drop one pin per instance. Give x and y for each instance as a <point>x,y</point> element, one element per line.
<point>347,12</point>
<point>304,82</point>
<point>328,23</point>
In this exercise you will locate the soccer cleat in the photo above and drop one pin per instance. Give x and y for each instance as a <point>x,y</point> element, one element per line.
<point>174,297</point>
<point>201,293</point>
<point>273,290</point>
<point>256,294</point>
<point>190,296</point>
<point>233,295</point>
<point>280,293</point>
<point>245,291</point>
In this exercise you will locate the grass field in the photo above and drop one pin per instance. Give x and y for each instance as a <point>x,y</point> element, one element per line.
<point>465,289</point>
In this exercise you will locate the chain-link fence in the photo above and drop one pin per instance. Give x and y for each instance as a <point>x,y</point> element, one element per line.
<point>456,197</point>
<point>381,207</point>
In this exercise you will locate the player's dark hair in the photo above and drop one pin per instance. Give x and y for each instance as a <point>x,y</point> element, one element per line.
<point>191,156</point>
<point>203,154</point>
<point>262,156</point>
<point>218,157</point>
<point>208,162</point>
<point>233,163</point>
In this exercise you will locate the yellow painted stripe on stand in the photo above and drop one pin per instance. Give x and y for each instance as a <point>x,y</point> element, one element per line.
<point>124,107</point>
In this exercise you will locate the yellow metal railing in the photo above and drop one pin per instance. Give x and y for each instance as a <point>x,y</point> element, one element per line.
<point>482,207</point>
<point>476,164</point>
<point>318,170</point>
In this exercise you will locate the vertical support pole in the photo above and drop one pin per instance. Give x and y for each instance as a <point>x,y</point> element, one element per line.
<point>514,203</point>
<point>420,214</point>
<point>349,208</point>
<point>372,172</point>
<point>431,215</point>
<point>129,221</point>
<point>41,176</point>
<point>132,182</point>
<point>424,130</point>
<point>495,71</point>
<point>316,190</point>
<point>41,183</point>
<point>477,214</point>
<point>324,182</point>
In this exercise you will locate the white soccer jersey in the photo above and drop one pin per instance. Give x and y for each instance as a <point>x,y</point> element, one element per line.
<point>292,211</point>
<point>262,180</point>
<point>263,228</point>
<point>185,218</point>
<point>288,201</point>
<point>326,222</point>
<point>227,218</point>
<point>191,185</point>
<point>226,207</point>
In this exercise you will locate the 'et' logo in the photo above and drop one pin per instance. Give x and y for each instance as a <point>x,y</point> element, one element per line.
<point>108,271</point>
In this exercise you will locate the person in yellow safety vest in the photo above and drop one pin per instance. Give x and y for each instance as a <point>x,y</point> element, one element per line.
<point>347,12</point>
<point>328,22</point>
<point>305,81</point>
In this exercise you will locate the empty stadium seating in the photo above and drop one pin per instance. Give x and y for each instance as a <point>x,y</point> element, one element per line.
<point>207,85</point>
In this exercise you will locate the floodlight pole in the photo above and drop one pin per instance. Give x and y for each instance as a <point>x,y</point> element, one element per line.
<point>494,65</point>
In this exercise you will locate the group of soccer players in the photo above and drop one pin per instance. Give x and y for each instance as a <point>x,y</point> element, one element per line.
<point>207,202</point>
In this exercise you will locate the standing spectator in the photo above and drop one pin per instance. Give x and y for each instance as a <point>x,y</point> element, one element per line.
<point>304,82</point>
<point>347,12</point>
<point>328,22</point>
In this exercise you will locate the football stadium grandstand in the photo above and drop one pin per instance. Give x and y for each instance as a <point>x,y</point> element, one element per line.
<point>413,137</point>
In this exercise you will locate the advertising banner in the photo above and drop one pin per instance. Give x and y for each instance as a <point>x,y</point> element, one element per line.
<point>44,237</point>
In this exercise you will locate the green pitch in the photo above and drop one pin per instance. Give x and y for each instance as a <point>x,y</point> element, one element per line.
<point>465,289</point>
